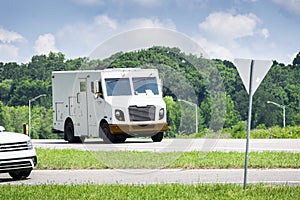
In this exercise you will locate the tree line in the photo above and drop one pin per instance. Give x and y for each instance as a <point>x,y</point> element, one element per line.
<point>212,85</point>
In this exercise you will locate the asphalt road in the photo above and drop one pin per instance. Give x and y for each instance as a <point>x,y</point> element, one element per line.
<point>148,176</point>
<point>182,145</point>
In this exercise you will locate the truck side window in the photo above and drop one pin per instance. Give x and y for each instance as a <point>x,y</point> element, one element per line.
<point>99,91</point>
<point>82,86</point>
<point>100,87</point>
<point>92,87</point>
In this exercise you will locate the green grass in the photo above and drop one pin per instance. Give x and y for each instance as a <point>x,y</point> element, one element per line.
<point>166,191</point>
<point>80,159</point>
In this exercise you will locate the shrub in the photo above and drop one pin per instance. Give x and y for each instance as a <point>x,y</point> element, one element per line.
<point>239,130</point>
<point>260,133</point>
<point>261,126</point>
<point>277,132</point>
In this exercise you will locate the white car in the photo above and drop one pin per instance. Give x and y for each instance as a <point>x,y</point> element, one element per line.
<point>17,154</point>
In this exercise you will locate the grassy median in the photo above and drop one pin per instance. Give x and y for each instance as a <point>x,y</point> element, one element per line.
<point>80,159</point>
<point>144,192</point>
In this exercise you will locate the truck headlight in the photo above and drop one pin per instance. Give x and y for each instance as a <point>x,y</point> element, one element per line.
<point>161,113</point>
<point>119,114</point>
<point>29,145</point>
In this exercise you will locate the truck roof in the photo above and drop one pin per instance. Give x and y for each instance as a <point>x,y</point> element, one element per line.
<point>105,70</point>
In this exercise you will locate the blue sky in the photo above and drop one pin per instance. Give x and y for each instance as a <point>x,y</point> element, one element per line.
<point>225,29</point>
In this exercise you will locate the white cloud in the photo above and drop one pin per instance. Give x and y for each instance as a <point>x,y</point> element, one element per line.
<point>105,20</point>
<point>8,53</point>
<point>227,26</point>
<point>45,43</point>
<point>265,33</point>
<point>214,50</point>
<point>80,39</point>
<point>292,6</point>
<point>149,23</point>
<point>10,36</point>
<point>9,45</point>
<point>227,36</point>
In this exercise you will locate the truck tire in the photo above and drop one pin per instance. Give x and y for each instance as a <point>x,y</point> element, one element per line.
<point>157,137</point>
<point>20,174</point>
<point>69,133</point>
<point>108,137</point>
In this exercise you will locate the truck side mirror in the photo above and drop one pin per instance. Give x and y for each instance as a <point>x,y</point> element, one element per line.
<point>98,89</point>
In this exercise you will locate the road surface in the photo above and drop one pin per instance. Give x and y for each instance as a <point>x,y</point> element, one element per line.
<point>148,176</point>
<point>183,145</point>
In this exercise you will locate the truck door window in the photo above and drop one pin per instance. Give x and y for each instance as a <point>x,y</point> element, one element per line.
<point>99,91</point>
<point>92,87</point>
<point>99,88</point>
<point>118,86</point>
<point>82,86</point>
<point>96,89</point>
<point>142,84</point>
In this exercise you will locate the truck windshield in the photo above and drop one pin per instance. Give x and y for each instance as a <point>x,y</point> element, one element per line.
<point>142,84</point>
<point>118,86</point>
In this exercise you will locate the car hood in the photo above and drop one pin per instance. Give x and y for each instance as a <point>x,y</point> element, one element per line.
<point>11,137</point>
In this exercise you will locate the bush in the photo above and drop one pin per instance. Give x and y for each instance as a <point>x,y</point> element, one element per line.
<point>261,134</point>
<point>239,130</point>
<point>261,126</point>
<point>277,132</point>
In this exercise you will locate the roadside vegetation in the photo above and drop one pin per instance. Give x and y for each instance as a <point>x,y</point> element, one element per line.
<point>238,131</point>
<point>81,159</point>
<point>164,191</point>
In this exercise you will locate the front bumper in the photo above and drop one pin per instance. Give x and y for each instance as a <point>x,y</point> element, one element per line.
<point>12,164</point>
<point>138,129</point>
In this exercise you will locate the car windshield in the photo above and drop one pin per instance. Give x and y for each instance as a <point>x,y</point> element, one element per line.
<point>118,86</point>
<point>144,84</point>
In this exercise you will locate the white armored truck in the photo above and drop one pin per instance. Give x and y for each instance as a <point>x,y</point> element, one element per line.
<point>113,104</point>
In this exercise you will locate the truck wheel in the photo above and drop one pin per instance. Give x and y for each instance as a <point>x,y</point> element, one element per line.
<point>69,133</point>
<point>20,174</point>
<point>108,137</point>
<point>157,137</point>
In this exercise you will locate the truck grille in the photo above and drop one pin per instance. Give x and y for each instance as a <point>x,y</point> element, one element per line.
<point>146,113</point>
<point>18,146</point>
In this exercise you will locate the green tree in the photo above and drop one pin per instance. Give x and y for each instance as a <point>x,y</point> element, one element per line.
<point>296,61</point>
<point>232,115</point>
<point>173,116</point>
<point>15,117</point>
<point>41,121</point>
<point>6,87</point>
<point>1,113</point>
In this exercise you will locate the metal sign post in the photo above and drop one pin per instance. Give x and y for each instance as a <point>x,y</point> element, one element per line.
<point>248,125</point>
<point>252,72</point>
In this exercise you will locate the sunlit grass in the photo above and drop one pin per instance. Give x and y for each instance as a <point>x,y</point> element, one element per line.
<point>165,191</point>
<point>80,159</point>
